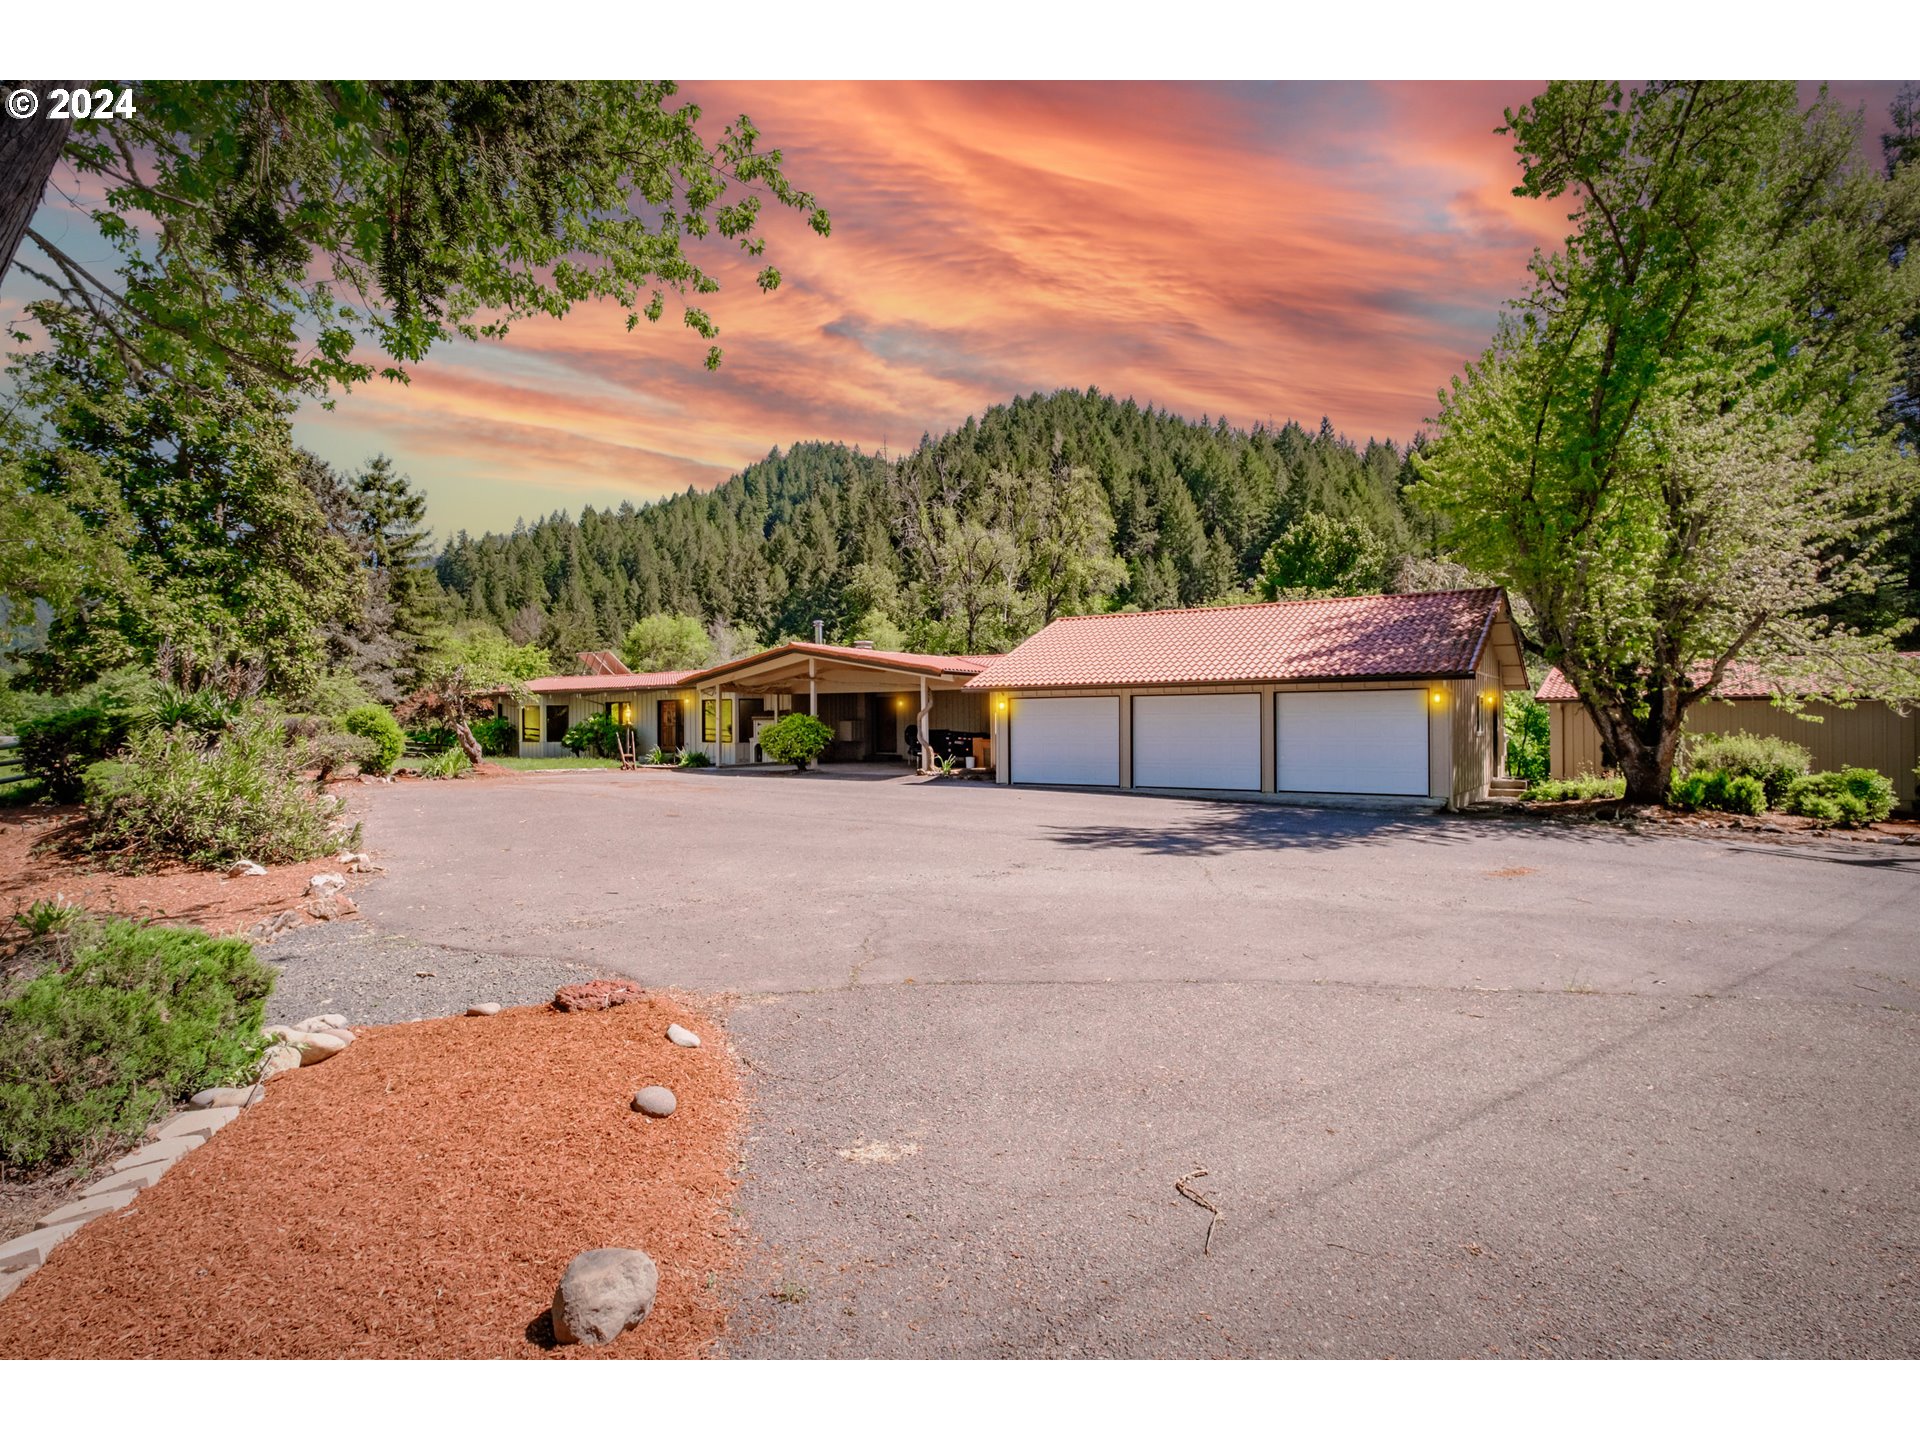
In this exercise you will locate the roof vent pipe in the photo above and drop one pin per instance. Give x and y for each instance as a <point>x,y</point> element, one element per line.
<point>819,632</point>
<point>863,644</point>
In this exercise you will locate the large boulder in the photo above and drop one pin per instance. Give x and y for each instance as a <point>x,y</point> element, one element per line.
<point>325,884</point>
<point>603,1294</point>
<point>596,995</point>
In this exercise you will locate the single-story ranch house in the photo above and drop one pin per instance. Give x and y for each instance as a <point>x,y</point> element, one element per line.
<point>1871,733</point>
<point>1379,695</point>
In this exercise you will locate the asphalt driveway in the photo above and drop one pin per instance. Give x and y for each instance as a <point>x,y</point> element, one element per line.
<point>1461,1086</point>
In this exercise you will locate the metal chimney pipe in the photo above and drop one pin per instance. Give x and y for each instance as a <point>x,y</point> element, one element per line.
<point>819,632</point>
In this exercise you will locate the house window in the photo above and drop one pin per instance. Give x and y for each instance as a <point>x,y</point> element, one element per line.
<point>530,724</point>
<point>620,712</point>
<point>725,734</point>
<point>559,721</point>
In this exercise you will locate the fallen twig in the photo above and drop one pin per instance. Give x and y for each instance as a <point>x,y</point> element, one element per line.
<point>1203,1202</point>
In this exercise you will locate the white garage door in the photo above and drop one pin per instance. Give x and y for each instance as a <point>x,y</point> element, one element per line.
<point>1196,742</point>
<point>1356,742</point>
<point>1065,742</point>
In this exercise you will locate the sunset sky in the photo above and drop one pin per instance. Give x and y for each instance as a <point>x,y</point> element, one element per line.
<point>1259,251</point>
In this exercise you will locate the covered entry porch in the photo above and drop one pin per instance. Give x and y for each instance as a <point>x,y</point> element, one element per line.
<point>883,706</point>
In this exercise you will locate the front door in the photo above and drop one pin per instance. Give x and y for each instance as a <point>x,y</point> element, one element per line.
<point>670,725</point>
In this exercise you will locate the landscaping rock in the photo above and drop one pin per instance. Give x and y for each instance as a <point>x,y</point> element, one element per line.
<point>603,1294</point>
<point>199,1122</point>
<point>279,1060</point>
<point>236,1097</point>
<point>325,884</point>
<point>81,1211</point>
<point>30,1251</point>
<point>267,930</point>
<point>332,907</point>
<point>138,1178</point>
<point>169,1150</point>
<point>657,1101</point>
<point>485,1007</point>
<point>596,995</point>
<point>350,858</point>
<point>315,1048</point>
<point>329,1021</point>
<point>244,867</point>
<point>683,1037</point>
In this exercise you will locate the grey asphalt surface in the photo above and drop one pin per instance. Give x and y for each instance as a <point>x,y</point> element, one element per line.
<point>1462,1086</point>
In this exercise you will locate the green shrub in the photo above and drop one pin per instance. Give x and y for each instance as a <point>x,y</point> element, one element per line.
<point>432,739</point>
<point>124,1021</point>
<point>1847,798</point>
<point>798,740</point>
<point>1774,762</point>
<point>375,723</point>
<point>495,734</point>
<point>1717,790</point>
<point>173,796</point>
<point>655,756</point>
<point>596,735</point>
<point>1581,787</point>
<point>205,712</point>
<point>446,765</point>
<point>695,759</point>
<point>59,748</point>
<point>323,747</point>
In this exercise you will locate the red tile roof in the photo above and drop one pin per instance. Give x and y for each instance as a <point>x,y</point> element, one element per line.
<point>598,684</point>
<point>1743,680</point>
<point>1348,638</point>
<point>895,659</point>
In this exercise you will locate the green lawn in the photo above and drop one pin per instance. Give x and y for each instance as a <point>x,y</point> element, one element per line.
<point>557,762</point>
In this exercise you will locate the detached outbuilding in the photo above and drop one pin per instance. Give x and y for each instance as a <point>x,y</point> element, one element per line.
<point>1870,733</point>
<point>1307,700</point>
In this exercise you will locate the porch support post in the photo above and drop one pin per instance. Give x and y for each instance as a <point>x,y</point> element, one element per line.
<point>733,708</point>
<point>813,688</point>
<point>926,742</point>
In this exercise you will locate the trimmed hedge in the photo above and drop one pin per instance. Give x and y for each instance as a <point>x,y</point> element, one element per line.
<point>376,724</point>
<point>126,1021</point>
<point>799,739</point>
<point>1847,798</point>
<point>1774,762</point>
<point>1718,790</point>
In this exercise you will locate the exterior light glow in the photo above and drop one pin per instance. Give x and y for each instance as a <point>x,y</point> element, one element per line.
<point>1439,697</point>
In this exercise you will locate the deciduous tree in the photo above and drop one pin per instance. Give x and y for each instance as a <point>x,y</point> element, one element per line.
<point>1676,449</point>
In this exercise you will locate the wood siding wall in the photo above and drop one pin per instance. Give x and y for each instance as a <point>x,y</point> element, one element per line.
<point>1870,734</point>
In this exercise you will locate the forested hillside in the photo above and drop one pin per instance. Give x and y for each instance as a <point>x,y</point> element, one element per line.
<point>1047,505</point>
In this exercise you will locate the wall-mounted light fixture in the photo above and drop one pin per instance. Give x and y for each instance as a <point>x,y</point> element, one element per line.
<point>1439,697</point>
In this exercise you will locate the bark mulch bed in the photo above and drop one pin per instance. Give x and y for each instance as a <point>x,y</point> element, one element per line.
<point>38,862</point>
<point>418,1196</point>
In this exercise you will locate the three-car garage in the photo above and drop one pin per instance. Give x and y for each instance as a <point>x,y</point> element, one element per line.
<point>1379,696</point>
<point>1353,742</point>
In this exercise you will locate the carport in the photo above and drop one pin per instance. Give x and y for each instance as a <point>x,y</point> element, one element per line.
<point>870,698</point>
<point>1382,696</point>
